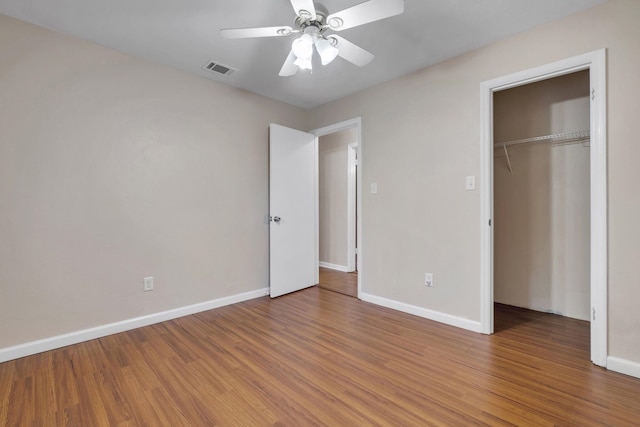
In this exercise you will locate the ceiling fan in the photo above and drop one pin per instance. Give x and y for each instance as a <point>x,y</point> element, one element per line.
<point>313,21</point>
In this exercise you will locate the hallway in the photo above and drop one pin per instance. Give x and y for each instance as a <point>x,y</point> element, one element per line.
<point>337,281</point>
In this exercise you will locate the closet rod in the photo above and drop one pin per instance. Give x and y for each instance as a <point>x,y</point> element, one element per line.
<point>554,138</point>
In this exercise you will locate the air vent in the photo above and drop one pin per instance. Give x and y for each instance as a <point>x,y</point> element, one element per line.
<point>217,68</point>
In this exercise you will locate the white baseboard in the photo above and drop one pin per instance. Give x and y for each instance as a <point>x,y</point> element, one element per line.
<point>52,343</point>
<point>623,366</point>
<point>337,267</point>
<point>437,316</point>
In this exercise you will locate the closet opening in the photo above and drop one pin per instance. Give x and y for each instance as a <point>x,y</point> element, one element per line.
<point>542,206</point>
<point>558,254</point>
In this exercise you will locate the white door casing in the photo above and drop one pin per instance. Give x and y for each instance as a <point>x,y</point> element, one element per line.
<point>352,220</point>
<point>292,209</point>
<point>595,62</point>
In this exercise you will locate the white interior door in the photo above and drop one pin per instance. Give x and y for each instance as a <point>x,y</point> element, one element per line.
<point>292,210</point>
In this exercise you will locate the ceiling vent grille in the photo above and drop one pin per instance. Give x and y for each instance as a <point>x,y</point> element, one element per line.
<point>218,68</point>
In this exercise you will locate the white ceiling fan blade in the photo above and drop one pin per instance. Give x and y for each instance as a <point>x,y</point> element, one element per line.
<point>289,68</point>
<point>304,9</point>
<point>363,13</point>
<point>244,33</point>
<point>351,52</point>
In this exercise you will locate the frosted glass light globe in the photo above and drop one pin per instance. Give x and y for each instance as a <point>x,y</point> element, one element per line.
<point>326,51</point>
<point>303,46</point>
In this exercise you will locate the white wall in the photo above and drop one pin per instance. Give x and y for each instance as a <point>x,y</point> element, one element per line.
<point>113,169</point>
<point>332,162</point>
<point>541,208</point>
<point>421,137</point>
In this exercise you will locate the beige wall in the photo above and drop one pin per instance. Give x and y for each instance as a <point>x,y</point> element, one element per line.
<point>332,162</point>
<point>541,208</point>
<point>112,169</point>
<point>421,138</point>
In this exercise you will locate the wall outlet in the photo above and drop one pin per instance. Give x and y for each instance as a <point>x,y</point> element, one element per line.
<point>148,284</point>
<point>428,280</point>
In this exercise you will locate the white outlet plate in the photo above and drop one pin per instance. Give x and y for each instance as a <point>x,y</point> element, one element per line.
<point>428,280</point>
<point>148,284</point>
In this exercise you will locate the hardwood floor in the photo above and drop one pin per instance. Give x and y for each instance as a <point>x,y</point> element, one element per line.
<point>337,281</point>
<point>320,358</point>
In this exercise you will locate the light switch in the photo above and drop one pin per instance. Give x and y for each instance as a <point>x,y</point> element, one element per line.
<point>471,183</point>
<point>374,188</point>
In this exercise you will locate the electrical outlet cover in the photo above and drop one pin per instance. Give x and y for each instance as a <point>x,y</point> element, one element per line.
<point>428,279</point>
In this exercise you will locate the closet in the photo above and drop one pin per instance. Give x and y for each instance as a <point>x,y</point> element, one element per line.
<point>542,196</point>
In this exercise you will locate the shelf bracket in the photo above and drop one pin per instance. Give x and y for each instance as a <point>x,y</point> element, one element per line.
<point>506,153</point>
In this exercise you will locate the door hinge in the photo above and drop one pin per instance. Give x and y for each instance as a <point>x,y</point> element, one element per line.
<point>489,223</point>
<point>593,94</point>
<point>356,251</point>
<point>593,313</point>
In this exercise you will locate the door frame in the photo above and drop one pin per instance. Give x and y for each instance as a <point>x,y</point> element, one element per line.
<point>355,123</point>
<point>352,218</point>
<point>595,62</point>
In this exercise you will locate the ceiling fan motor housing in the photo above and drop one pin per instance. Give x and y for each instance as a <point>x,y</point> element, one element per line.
<point>312,25</point>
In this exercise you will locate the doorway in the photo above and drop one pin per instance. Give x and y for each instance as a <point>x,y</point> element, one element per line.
<point>339,202</point>
<point>541,198</point>
<point>595,63</point>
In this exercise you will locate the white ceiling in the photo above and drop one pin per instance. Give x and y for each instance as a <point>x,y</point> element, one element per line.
<point>185,34</point>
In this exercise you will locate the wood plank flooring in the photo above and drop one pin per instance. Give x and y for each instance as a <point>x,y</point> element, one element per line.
<point>317,357</point>
<point>337,281</point>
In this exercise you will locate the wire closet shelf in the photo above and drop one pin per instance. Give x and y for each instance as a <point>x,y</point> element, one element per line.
<point>554,139</point>
<point>560,138</point>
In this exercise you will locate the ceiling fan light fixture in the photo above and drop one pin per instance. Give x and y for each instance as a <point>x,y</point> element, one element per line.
<point>303,63</point>
<point>303,47</point>
<point>313,21</point>
<point>326,50</point>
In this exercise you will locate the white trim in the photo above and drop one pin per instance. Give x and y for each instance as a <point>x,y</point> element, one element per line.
<point>34,347</point>
<point>355,123</point>
<point>316,200</point>
<point>352,220</point>
<point>595,62</point>
<point>623,366</point>
<point>599,209</point>
<point>336,267</point>
<point>458,322</point>
<point>486,206</point>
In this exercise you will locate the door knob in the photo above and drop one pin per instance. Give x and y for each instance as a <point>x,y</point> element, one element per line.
<point>276,219</point>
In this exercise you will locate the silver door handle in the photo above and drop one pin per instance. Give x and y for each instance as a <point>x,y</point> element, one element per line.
<point>276,219</point>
